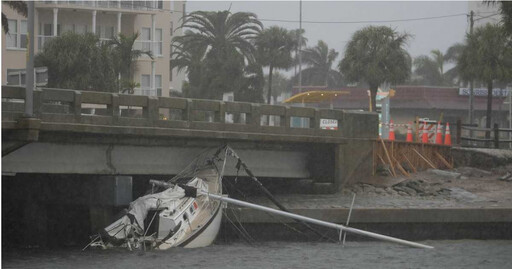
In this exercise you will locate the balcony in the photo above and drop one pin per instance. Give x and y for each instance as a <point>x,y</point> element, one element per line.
<point>146,91</point>
<point>124,5</point>
<point>146,45</point>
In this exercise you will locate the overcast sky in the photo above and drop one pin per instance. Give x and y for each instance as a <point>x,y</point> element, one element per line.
<point>427,34</point>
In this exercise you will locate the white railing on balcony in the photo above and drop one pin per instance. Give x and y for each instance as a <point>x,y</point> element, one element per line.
<point>146,91</point>
<point>131,5</point>
<point>155,47</point>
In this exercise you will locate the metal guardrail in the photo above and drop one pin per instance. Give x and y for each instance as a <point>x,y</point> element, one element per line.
<point>112,109</point>
<point>487,142</point>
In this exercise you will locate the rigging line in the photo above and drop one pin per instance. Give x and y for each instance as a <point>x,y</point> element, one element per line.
<point>370,21</point>
<point>236,227</point>
<point>270,215</point>
<point>241,225</point>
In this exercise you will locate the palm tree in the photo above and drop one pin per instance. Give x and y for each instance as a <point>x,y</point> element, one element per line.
<point>430,69</point>
<point>487,57</point>
<point>18,6</point>
<point>451,56</point>
<point>125,56</point>
<point>319,60</point>
<point>221,32</point>
<point>297,35</point>
<point>274,46</point>
<point>227,40</point>
<point>189,60</point>
<point>375,55</point>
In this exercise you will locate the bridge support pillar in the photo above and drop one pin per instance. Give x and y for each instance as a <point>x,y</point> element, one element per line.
<point>352,161</point>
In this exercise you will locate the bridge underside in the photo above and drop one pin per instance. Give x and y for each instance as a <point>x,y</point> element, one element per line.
<point>110,159</point>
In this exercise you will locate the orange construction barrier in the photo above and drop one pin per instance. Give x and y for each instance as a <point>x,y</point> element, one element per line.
<point>391,131</point>
<point>439,135</point>
<point>409,133</point>
<point>419,134</point>
<point>424,137</point>
<point>447,135</point>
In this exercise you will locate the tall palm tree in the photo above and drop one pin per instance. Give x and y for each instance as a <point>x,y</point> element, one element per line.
<point>319,60</point>
<point>275,46</point>
<point>221,32</point>
<point>18,6</point>
<point>298,36</point>
<point>487,57</point>
<point>228,43</point>
<point>126,55</point>
<point>375,55</point>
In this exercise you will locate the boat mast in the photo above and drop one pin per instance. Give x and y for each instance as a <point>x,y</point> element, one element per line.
<point>315,221</point>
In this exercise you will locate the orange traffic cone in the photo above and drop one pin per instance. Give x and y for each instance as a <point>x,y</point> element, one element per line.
<point>447,135</point>
<point>391,131</point>
<point>409,133</point>
<point>439,135</point>
<point>424,137</point>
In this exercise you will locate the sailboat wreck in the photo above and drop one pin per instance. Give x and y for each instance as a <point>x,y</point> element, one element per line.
<point>186,211</point>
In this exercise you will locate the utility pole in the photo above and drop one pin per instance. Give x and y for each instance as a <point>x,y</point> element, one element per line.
<point>471,93</point>
<point>29,73</point>
<point>302,121</point>
<point>300,46</point>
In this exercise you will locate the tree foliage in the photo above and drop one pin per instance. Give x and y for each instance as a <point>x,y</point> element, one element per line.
<point>83,62</point>
<point>375,55</point>
<point>218,53</point>
<point>274,49</point>
<point>486,57</point>
<point>319,61</point>
<point>124,56</point>
<point>18,6</point>
<point>79,62</point>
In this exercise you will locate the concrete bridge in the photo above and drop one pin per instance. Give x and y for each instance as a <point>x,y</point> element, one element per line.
<point>141,135</point>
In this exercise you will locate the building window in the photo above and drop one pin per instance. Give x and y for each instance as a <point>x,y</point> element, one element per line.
<point>160,4</point>
<point>145,37</point>
<point>158,85</point>
<point>46,33</point>
<point>171,28</point>
<point>105,32</point>
<point>16,77</point>
<point>23,34</point>
<point>145,81</point>
<point>80,29</point>
<point>12,36</point>
<point>17,36</point>
<point>158,42</point>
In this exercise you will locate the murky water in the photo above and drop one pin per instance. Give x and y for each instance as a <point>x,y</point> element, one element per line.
<point>447,254</point>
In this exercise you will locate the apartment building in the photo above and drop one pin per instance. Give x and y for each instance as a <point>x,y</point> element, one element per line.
<point>155,21</point>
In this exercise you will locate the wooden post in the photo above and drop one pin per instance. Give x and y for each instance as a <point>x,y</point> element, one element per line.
<point>459,131</point>
<point>496,136</point>
<point>389,159</point>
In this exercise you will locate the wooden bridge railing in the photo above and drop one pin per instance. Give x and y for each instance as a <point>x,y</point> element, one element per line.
<point>495,140</point>
<point>76,107</point>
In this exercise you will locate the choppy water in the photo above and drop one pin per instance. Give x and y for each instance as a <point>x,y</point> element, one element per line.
<point>447,254</point>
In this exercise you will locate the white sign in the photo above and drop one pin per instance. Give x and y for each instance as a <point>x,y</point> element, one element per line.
<point>328,124</point>
<point>483,92</point>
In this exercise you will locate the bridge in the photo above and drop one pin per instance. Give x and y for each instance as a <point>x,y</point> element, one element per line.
<point>85,132</point>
